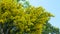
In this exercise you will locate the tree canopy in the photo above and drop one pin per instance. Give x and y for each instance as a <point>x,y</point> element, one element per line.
<point>14,19</point>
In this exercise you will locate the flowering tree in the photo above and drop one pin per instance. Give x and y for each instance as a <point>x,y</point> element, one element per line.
<point>14,19</point>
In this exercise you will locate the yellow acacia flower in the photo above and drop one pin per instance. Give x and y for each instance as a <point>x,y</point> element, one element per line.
<point>1,21</point>
<point>30,19</point>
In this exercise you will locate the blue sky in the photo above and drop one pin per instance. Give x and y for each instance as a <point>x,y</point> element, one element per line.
<point>52,6</point>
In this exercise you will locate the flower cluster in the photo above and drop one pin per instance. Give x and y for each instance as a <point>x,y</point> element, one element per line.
<point>29,20</point>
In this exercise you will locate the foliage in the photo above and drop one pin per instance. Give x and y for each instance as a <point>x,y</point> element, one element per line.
<point>14,19</point>
<point>48,28</point>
